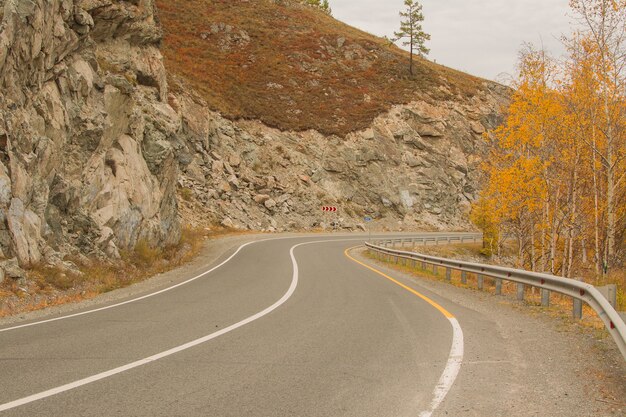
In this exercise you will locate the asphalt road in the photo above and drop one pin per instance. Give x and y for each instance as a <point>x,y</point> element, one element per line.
<point>285,327</point>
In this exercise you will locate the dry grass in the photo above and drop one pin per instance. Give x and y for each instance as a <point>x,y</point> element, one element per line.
<point>473,251</point>
<point>292,74</point>
<point>49,286</point>
<point>560,306</point>
<point>186,194</point>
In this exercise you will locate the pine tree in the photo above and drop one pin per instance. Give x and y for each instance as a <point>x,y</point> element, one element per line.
<point>411,30</point>
<point>323,5</point>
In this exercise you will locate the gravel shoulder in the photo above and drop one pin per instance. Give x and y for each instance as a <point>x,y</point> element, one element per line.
<point>522,361</point>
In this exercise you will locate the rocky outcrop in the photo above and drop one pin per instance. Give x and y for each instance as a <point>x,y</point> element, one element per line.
<point>416,167</point>
<point>94,149</point>
<point>87,140</point>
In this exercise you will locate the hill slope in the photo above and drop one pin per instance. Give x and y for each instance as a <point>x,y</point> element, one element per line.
<point>292,66</point>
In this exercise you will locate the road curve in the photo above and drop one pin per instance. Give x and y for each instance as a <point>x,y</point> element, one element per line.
<point>285,327</point>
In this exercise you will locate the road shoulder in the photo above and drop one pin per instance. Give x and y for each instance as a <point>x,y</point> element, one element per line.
<point>514,358</point>
<point>212,251</point>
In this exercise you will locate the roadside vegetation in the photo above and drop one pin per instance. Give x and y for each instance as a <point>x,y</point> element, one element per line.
<point>47,286</point>
<point>556,175</point>
<point>508,257</point>
<point>560,305</point>
<point>292,66</point>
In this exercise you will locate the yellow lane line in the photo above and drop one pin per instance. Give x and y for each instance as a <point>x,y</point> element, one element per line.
<point>409,289</point>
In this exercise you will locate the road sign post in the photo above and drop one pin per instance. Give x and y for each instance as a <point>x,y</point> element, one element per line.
<point>368,220</point>
<point>332,209</point>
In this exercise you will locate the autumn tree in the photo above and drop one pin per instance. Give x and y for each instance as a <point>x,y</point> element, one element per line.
<point>519,168</point>
<point>604,29</point>
<point>556,173</point>
<point>411,30</point>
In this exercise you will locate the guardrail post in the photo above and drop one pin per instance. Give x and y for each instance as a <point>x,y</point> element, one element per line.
<point>463,277</point>
<point>481,281</point>
<point>577,309</point>
<point>498,286</point>
<point>423,266</point>
<point>545,298</point>
<point>434,269</point>
<point>448,240</point>
<point>610,293</point>
<point>520,292</point>
<point>448,274</point>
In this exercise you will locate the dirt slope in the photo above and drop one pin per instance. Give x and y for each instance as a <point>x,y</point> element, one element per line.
<point>294,67</point>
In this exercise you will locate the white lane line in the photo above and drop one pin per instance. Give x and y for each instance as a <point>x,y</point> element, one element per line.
<point>36,323</point>
<point>132,365</point>
<point>450,372</point>
<point>455,358</point>
<point>180,284</point>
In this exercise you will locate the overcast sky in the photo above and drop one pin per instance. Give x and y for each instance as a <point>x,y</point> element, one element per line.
<point>481,37</point>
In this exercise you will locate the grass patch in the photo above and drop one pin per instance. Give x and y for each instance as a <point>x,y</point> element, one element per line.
<point>48,286</point>
<point>560,305</point>
<point>186,194</point>
<point>473,251</point>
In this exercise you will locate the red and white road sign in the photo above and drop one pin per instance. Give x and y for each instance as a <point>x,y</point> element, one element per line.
<point>329,208</point>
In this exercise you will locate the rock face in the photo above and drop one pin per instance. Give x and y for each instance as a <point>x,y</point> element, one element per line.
<point>93,146</point>
<point>87,141</point>
<point>414,168</point>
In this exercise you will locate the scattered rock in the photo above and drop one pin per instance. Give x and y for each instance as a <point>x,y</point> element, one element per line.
<point>368,134</point>
<point>12,269</point>
<point>261,198</point>
<point>270,204</point>
<point>228,223</point>
<point>234,160</point>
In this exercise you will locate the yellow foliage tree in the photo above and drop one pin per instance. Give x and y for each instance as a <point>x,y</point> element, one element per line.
<point>556,175</point>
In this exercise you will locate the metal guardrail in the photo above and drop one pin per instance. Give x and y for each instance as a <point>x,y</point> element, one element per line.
<point>578,290</point>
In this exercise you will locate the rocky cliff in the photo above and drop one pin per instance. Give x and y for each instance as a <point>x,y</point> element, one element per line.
<point>85,163</point>
<point>416,167</point>
<point>96,154</point>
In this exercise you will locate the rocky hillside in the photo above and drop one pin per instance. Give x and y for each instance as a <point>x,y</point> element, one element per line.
<point>414,168</point>
<point>287,109</point>
<point>82,113</point>
<point>97,154</point>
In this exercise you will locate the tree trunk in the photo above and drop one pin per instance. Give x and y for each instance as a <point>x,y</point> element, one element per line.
<point>596,208</point>
<point>544,224</point>
<point>411,58</point>
<point>533,260</point>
